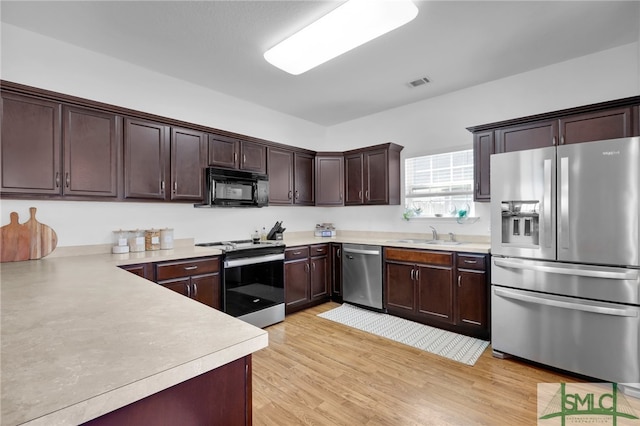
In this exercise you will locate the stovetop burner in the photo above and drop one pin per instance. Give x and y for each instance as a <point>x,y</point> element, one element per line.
<point>231,246</point>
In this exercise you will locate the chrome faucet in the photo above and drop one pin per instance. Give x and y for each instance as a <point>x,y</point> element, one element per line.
<point>434,232</point>
<point>452,237</point>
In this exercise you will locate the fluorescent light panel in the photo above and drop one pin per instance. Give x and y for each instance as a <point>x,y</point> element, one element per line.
<point>348,26</point>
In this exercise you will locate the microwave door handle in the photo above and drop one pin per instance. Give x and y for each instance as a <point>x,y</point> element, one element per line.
<point>563,201</point>
<point>546,203</point>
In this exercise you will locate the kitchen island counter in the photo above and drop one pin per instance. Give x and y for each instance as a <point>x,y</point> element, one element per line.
<point>82,337</point>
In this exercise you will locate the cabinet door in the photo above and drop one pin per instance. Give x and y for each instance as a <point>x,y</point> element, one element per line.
<point>206,289</point>
<point>303,180</point>
<point>223,151</point>
<point>527,136</point>
<point>30,151</point>
<point>399,287</point>
<point>253,157</point>
<point>609,124</point>
<point>179,285</point>
<point>329,180</point>
<point>472,298</point>
<point>188,154</point>
<point>336,272</point>
<point>280,176</point>
<point>146,159</point>
<point>435,292</point>
<point>483,147</point>
<point>354,179</point>
<point>296,283</point>
<point>319,277</point>
<point>91,148</point>
<point>376,189</point>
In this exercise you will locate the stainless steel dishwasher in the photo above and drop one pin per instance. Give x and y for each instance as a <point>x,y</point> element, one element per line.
<point>362,275</point>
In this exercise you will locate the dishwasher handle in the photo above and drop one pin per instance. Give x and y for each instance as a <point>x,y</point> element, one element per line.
<point>361,251</point>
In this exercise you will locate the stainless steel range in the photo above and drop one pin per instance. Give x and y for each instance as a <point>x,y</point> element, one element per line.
<point>253,280</point>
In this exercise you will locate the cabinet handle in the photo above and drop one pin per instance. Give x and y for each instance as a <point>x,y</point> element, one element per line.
<point>471,261</point>
<point>314,265</point>
<point>340,196</point>
<point>67,180</point>
<point>175,186</point>
<point>57,179</point>
<point>360,195</point>
<point>417,274</point>
<point>413,271</point>
<point>306,267</point>
<point>297,252</point>
<point>338,252</point>
<point>188,290</point>
<point>459,280</point>
<point>562,140</point>
<point>289,194</point>
<point>553,142</point>
<point>191,268</point>
<point>161,185</point>
<point>195,290</point>
<point>319,250</point>
<point>244,159</point>
<point>366,194</point>
<point>235,157</point>
<point>297,194</point>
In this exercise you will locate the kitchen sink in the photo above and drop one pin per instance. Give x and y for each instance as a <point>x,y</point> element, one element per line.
<point>428,242</point>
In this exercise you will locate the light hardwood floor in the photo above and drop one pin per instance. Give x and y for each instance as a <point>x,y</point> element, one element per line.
<point>318,372</point>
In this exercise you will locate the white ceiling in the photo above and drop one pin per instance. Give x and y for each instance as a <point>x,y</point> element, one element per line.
<point>219,45</point>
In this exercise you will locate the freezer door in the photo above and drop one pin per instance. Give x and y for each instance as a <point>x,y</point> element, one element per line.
<point>598,215</point>
<point>523,203</point>
<point>595,339</point>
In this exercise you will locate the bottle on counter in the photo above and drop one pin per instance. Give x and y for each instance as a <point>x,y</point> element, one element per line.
<point>255,237</point>
<point>263,234</point>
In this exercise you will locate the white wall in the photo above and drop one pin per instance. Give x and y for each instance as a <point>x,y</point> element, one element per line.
<point>39,61</point>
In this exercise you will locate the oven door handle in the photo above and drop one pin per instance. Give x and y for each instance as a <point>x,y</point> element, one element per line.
<point>541,300</point>
<point>232,263</point>
<point>630,274</point>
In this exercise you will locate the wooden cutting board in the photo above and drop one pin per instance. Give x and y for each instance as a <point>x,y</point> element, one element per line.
<point>30,240</point>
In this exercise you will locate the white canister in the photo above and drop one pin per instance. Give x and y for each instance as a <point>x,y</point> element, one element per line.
<point>136,241</point>
<point>120,243</point>
<point>166,239</point>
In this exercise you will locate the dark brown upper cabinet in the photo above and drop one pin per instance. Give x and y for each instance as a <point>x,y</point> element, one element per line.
<point>233,153</point>
<point>483,147</point>
<point>188,162</point>
<point>607,120</point>
<point>146,159</point>
<point>372,175</point>
<point>291,177</point>
<point>329,179</point>
<point>53,150</point>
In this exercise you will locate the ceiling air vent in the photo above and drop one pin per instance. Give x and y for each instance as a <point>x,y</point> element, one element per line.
<point>419,82</point>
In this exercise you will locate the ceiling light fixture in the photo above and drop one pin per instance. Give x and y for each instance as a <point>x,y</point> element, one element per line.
<point>348,26</point>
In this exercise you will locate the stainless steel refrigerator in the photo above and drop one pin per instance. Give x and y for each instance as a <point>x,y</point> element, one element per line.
<point>565,247</point>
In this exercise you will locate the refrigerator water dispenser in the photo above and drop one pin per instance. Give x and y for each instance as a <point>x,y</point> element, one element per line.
<point>520,223</point>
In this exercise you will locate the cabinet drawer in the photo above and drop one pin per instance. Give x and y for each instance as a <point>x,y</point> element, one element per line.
<point>443,258</point>
<point>185,268</point>
<point>319,250</point>
<point>300,252</point>
<point>471,261</point>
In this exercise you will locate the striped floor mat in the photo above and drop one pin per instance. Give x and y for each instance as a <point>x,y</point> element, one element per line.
<point>454,346</point>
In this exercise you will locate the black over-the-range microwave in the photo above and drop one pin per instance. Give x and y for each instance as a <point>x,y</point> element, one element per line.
<point>235,188</point>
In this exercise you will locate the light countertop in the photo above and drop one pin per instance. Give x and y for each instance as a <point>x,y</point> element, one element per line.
<point>82,337</point>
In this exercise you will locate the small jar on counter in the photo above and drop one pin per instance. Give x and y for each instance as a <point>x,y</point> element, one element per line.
<point>166,239</point>
<point>136,241</point>
<point>152,239</point>
<point>120,243</point>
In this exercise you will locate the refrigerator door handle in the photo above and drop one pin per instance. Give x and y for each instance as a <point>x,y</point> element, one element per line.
<point>540,300</point>
<point>563,201</point>
<point>546,203</point>
<point>611,275</point>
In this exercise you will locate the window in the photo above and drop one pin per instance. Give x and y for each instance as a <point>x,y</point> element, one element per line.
<point>439,185</point>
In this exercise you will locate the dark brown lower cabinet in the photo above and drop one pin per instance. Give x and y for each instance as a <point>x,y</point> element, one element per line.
<point>218,397</point>
<point>419,285</point>
<point>306,276</point>
<point>144,270</point>
<point>198,279</point>
<point>336,272</point>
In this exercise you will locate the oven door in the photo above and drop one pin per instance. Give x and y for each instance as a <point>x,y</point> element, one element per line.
<point>254,288</point>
